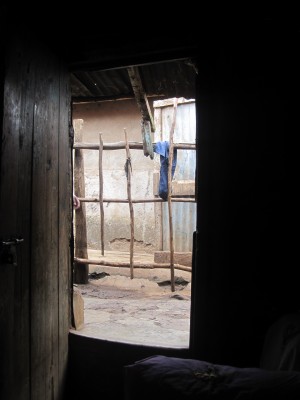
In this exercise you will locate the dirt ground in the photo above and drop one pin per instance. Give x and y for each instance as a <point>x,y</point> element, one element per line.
<point>143,310</point>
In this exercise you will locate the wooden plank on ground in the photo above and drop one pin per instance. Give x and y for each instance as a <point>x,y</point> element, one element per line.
<point>183,258</point>
<point>78,309</point>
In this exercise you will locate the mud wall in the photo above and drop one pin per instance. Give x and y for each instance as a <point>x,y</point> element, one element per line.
<point>110,119</point>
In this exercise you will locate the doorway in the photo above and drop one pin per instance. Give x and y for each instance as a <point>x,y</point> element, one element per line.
<point>123,266</point>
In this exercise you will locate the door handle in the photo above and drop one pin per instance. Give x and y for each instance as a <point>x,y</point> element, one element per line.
<point>8,250</point>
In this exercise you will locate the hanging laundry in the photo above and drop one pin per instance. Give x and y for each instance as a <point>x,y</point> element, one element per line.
<point>162,148</point>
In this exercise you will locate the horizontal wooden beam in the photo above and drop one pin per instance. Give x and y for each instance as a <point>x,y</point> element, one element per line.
<point>127,264</point>
<point>154,200</point>
<point>132,145</point>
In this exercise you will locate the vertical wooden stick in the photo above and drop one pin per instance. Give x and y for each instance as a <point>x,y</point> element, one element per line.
<point>171,148</point>
<point>128,171</point>
<point>101,193</point>
<point>81,271</point>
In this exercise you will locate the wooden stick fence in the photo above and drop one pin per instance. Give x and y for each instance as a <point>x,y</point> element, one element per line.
<point>131,145</point>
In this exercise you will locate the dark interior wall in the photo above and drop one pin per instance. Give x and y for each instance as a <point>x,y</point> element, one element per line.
<point>245,273</point>
<point>96,366</point>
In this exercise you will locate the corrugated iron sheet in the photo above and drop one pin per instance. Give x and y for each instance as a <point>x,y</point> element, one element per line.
<point>183,214</point>
<point>168,79</point>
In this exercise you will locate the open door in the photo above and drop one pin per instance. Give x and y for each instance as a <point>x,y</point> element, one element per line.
<point>35,215</point>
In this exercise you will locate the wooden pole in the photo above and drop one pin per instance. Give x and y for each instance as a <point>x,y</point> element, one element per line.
<point>101,193</point>
<point>169,196</point>
<point>154,200</point>
<point>140,95</point>
<point>128,168</point>
<point>119,264</point>
<point>81,271</point>
<point>132,145</point>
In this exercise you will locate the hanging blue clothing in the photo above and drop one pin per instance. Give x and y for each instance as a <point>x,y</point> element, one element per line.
<point>162,148</point>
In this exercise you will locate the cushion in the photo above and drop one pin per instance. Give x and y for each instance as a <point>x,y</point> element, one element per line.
<point>161,377</point>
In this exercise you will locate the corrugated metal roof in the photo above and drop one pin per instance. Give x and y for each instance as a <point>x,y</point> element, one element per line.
<point>166,79</point>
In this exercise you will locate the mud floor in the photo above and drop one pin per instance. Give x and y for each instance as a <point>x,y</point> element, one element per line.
<point>143,310</point>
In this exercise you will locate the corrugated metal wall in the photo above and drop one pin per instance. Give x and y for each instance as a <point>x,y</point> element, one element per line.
<point>183,214</point>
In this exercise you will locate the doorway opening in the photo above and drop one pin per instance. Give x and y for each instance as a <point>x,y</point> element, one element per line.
<point>133,236</point>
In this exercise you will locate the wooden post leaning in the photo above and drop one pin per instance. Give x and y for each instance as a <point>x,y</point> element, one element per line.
<point>101,194</point>
<point>81,271</point>
<point>128,170</point>
<point>171,148</point>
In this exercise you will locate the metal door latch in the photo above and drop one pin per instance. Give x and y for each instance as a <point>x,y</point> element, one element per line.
<point>8,250</point>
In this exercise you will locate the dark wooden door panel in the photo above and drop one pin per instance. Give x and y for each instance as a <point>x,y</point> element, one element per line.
<point>15,203</point>
<point>35,205</point>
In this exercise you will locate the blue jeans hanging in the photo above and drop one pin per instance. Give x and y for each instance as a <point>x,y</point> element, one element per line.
<point>162,148</point>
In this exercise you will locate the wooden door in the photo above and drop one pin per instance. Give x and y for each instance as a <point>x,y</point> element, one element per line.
<point>35,224</point>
